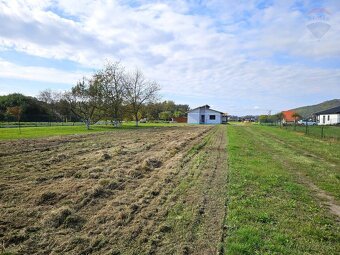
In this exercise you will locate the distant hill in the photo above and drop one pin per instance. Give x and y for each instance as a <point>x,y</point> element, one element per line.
<point>307,111</point>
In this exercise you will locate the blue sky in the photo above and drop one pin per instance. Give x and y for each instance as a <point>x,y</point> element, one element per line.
<point>241,57</point>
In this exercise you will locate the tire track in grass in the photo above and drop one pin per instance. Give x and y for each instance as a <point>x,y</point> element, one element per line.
<point>212,203</point>
<point>222,245</point>
<point>269,211</point>
<point>195,219</point>
<point>310,144</point>
<point>150,201</point>
<point>280,153</point>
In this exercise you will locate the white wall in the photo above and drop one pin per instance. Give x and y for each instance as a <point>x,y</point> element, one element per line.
<point>217,120</point>
<point>194,116</point>
<point>330,119</point>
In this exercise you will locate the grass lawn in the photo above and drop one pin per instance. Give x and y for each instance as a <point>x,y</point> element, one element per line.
<point>47,131</point>
<point>7,124</point>
<point>327,132</point>
<point>228,189</point>
<point>271,207</point>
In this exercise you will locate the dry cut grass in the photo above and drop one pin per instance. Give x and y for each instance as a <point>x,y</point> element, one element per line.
<point>103,193</point>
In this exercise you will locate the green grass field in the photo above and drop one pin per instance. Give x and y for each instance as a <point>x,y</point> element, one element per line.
<point>276,192</point>
<point>325,132</point>
<point>191,189</point>
<point>7,124</point>
<point>47,131</point>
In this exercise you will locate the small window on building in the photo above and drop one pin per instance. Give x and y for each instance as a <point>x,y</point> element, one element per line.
<point>328,118</point>
<point>212,117</point>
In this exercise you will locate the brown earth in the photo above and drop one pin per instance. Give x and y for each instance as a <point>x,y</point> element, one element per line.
<point>113,193</point>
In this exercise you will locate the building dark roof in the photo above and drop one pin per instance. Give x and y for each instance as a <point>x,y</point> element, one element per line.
<point>334,110</point>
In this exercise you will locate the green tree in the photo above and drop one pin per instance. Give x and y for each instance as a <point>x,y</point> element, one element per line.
<point>113,86</point>
<point>178,114</point>
<point>280,117</point>
<point>167,115</point>
<point>263,118</point>
<point>15,111</point>
<point>31,108</point>
<point>85,100</point>
<point>296,117</point>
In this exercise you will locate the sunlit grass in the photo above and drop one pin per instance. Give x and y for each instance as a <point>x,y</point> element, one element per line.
<point>269,210</point>
<point>47,131</point>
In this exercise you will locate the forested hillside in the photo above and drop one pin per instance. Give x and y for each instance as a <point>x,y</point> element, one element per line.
<point>307,111</point>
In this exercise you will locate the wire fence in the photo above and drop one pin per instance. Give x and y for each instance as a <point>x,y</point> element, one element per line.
<point>38,124</point>
<point>323,132</point>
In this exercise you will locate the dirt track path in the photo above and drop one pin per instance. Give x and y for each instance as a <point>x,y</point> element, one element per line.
<point>197,211</point>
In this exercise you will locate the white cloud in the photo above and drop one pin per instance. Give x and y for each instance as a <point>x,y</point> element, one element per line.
<point>33,73</point>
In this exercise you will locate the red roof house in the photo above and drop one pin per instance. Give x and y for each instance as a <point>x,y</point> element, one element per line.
<point>288,116</point>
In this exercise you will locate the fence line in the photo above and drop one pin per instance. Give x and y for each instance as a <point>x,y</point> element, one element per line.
<point>323,132</point>
<point>38,124</point>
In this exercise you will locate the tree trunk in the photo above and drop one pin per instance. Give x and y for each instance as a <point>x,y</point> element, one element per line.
<point>87,123</point>
<point>19,127</point>
<point>136,120</point>
<point>115,123</point>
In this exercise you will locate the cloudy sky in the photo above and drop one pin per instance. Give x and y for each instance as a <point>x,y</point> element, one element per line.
<point>247,56</point>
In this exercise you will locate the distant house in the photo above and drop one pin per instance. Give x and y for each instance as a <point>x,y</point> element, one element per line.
<point>287,117</point>
<point>328,117</point>
<point>233,118</point>
<point>205,115</point>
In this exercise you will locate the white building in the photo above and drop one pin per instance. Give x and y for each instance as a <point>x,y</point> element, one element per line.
<point>205,115</point>
<point>329,117</point>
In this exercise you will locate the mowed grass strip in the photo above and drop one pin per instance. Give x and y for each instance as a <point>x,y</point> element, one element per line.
<point>317,131</point>
<point>327,132</point>
<point>48,131</point>
<point>196,206</point>
<point>326,148</point>
<point>315,160</point>
<point>268,211</point>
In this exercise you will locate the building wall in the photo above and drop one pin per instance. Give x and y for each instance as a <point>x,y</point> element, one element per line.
<point>328,119</point>
<point>217,120</point>
<point>194,116</point>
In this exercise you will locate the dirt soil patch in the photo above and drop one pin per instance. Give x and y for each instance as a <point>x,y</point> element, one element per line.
<point>109,193</point>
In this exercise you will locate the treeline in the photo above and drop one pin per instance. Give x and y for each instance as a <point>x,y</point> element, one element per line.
<point>277,118</point>
<point>271,118</point>
<point>110,94</point>
<point>29,108</point>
